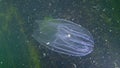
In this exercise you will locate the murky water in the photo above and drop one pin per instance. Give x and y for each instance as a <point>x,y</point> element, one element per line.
<point>19,50</point>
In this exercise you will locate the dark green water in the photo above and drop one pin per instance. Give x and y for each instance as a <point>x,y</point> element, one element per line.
<point>19,50</point>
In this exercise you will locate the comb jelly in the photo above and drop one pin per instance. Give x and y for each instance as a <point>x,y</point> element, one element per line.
<point>63,36</point>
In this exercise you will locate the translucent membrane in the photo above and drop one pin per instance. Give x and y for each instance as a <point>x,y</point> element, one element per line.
<point>64,37</point>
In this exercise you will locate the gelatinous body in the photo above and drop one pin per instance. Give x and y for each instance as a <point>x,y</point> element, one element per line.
<point>64,37</point>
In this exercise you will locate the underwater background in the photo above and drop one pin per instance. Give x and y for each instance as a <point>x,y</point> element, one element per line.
<point>19,50</point>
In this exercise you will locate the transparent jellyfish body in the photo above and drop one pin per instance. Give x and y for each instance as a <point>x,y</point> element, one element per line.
<point>64,37</point>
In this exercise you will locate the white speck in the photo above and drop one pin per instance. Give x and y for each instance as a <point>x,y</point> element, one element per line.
<point>112,8</point>
<point>1,62</point>
<point>84,1</point>
<point>49,4</point>
<point>104,10</point>
<point>44,54</point>
<point>54,10</point>
<point>74,65</point>
<point>106,40</point>
<point>27,41</point>
<point>34,9</point>
<point>116,65</point>
<point>93,61</point>
<point>47,43</point>
<point>90,58</point>
<point>69,35</point>
<point>80,25</point>
<point>118,21</point>
<point>109,19</point>
<point>96,7</point>
<point>73,19</point>
<point>103,57</point>
<point>110,30</point>
<point>52,49</point>
<point>40,32</point>
<point>39,46</point>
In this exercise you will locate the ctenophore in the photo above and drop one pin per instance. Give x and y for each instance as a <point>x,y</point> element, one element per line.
<point>63,36</point>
